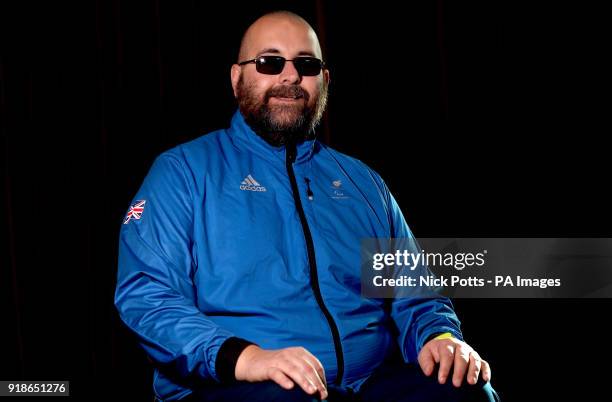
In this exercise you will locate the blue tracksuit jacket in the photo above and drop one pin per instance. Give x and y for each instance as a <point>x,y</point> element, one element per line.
<point>237,238</point>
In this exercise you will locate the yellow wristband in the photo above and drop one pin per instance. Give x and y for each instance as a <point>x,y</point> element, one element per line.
<point>446,335</point>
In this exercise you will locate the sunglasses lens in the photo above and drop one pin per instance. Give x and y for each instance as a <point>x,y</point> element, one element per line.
<point>307,66</point>
<point>270,65</point>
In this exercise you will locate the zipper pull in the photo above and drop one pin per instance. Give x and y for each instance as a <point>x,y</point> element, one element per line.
<point>308,190</point>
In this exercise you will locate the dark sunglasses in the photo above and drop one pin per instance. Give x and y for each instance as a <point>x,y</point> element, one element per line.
<point>273,65</point>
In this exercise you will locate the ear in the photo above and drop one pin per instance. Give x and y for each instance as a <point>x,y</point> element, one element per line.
<point>326,76</point>
<point>235,77</point>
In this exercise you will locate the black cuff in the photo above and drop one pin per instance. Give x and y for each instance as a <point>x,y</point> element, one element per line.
<point>227,356</point>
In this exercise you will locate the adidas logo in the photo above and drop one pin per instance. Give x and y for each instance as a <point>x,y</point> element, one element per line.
<point>250,184</point>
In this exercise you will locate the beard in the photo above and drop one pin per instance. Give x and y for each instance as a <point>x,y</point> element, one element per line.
<point>279,124</point>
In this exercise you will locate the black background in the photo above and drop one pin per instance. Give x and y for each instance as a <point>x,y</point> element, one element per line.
<point>485,119</point>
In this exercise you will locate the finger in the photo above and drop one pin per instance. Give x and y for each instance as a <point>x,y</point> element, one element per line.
<point>314,362</point>
<point>319,382</point>
<point>474,370</point>
<point>426,361</point>
<point>435,353</point>
<point>447,354</point>
<point>462,360</point>
<point>486,371</point>
<point>318,372</point>
<point>298,373</point>
<point>276,375</point>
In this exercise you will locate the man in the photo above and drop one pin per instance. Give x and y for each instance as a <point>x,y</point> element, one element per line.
<point>239,258</point>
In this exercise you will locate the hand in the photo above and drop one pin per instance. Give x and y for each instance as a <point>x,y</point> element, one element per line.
<point>286,367</point>
<point>453,351</point>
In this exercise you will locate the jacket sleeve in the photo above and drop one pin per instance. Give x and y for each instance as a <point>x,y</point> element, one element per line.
<point>155,296</point>
<point>417,319</point>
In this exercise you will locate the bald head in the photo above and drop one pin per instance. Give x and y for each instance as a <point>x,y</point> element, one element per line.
<point>265,33</point>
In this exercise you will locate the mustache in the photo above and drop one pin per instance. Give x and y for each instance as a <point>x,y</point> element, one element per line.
<point>287,91</point>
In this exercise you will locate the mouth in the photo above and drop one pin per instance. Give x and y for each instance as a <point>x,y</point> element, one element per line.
<point>286,99</point>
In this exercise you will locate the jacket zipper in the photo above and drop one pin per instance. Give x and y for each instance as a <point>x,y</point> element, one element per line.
<point>314,278</point>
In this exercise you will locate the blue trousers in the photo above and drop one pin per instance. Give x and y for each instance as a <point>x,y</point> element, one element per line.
<point>392,381</point>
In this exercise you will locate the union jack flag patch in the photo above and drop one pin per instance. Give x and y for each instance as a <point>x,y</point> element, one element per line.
<point>135,211</point>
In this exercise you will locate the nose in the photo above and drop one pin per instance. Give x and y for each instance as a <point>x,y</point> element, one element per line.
<point>289,75</point>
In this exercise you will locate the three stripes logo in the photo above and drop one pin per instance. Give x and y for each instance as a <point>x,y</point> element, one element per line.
<point>250,184</point>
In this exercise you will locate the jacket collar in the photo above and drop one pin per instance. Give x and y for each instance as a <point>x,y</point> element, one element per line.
<point>245,138</point>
